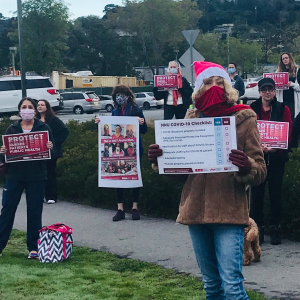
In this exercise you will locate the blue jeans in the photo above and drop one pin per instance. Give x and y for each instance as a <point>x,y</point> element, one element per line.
<point>219,253</point>
<point>35,191</point>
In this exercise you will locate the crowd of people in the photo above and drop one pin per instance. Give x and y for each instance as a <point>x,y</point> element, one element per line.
<point>214,206</point>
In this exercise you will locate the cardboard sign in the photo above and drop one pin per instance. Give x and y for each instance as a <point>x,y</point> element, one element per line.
<point>26,146</point>
<point>274,134</point>
<point>281,79</point>
<point>164,82</point>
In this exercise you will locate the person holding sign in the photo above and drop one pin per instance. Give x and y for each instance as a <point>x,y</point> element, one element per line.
<point>291,96</point>
<point>269,109</point>
<point>176,102</point>
<point>27,175</point>
<point>125,105</point>
<point>214,205</point>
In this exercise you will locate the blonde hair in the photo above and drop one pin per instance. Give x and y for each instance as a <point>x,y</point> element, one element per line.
<point>230,93</point>
<point>177,65</point>
<point>293,67</point>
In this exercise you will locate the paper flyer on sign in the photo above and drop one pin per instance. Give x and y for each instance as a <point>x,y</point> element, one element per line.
<point>26,146</point>
<point>119,157</point>
<point>274,134</point>
<point>193,146</point>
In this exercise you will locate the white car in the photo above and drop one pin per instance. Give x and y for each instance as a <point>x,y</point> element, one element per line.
<point>251,90</point>
<point>38,87</point>
<point>146,100</point>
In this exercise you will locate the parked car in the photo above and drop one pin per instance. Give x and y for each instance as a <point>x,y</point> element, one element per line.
<point>251,90</point>
<point>38,87</point>
<point>80,102</point>
<point>106,102</point>
<point>146,100</point>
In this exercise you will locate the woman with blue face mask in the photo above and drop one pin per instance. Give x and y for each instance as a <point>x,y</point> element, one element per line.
<point>176,102</point>
<point>30,176</point>
<point>125,105</point>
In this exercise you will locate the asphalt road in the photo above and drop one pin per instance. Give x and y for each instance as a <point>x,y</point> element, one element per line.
<point>151,114</point>
<point>168,244</point>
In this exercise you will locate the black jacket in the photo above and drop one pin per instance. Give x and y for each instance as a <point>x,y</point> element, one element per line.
<point>186,92</point>
<point>60,133</point>
<point>239,84</point>
<point>28,170</point>
<point>277,110</point>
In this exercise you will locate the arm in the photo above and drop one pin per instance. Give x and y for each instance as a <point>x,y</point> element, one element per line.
<point>287,117</point>
<point>295,132</point>
<point>252,148</point>
<point>143,127</point>
<point>295,85</point>
<point>240,86</point>
<point>62,132</point>
<point>160,94</point>
<point>186,89</point>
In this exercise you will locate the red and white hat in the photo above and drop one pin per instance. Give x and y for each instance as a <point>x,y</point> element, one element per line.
<point>205,69</point>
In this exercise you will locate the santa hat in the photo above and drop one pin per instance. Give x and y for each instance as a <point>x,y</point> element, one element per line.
<point>205,69</point>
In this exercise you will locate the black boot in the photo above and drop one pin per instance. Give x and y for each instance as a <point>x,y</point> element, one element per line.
<point>275,235</point>
<point>261,233</point>
<point>120,215</point>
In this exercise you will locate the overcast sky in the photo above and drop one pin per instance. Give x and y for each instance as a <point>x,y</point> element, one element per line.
<point>77,8</point>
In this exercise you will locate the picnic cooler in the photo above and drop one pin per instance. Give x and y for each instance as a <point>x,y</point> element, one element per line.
<point>55,243</point>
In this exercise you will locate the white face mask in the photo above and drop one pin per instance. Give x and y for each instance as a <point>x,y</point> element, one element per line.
<point>173,70</point>
<point>27,114</point>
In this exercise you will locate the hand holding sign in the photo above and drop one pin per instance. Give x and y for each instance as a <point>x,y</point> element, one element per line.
<point>154,152</point>
<point>241,160</point>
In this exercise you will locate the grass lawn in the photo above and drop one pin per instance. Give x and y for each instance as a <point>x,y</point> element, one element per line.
<point>91,274</point>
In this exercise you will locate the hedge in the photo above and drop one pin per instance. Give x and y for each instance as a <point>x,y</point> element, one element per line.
<point>78,179</point>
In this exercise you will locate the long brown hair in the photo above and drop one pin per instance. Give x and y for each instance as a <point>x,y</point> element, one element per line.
<point>122,89</point>
<point>49,113</point>
<point>293,67</point>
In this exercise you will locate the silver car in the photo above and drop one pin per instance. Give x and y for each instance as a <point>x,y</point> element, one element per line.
<point>80,102</point>
<point>106,102</point>
<point>146,100</point>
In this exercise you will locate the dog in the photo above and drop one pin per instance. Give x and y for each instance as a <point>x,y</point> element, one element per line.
<point>252,251</point>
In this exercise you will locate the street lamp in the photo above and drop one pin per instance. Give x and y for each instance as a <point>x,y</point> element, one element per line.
<point>176,53</point>
<point>13,51</point>
<point>21,49</point>
<point>228,28</point>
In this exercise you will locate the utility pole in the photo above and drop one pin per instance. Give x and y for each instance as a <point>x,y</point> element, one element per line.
<point>21,49</point>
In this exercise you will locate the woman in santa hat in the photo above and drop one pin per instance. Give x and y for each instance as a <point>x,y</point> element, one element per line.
<point>214,205</point>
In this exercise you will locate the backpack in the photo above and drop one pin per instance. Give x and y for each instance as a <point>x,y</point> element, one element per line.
<point>55,243</point>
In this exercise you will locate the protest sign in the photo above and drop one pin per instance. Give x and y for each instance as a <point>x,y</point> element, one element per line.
<point>274,134</point>
<point>196,145</point>
<point>26,146</point>
<point>119,157</point>
<point>164,82</point>
<point>281,79</point>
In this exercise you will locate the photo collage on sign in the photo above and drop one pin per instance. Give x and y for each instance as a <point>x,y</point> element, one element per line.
<point>118,150</point>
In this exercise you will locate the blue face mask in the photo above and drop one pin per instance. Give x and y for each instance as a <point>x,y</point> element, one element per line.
<point>173,70</point>
<point>231,70</point>
<point>121,99</point>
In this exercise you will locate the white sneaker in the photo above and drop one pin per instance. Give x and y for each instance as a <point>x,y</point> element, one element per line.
<point>51,201</point>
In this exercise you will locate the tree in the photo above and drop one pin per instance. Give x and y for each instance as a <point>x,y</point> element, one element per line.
<point>45,34</point>
<point>155,25</point>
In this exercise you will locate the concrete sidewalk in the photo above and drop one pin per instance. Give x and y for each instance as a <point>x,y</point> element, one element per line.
<point>168,244</point>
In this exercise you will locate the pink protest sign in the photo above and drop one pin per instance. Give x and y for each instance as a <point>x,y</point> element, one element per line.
<point>281,79</point>
<point>274,134</point>
<point>166,82</point>
<point>26,146</point>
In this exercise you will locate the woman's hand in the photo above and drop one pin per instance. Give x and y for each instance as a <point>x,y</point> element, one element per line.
<point>153,153</point>
<point>266,149</point>
<point>3,150</point>
<point>240,159</point>
<point>97,120</point>
<point>141,121</point>
<point>289,84</point>
<point>49,145</point>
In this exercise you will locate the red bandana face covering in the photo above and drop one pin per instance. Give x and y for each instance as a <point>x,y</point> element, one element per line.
<point>212,103</point>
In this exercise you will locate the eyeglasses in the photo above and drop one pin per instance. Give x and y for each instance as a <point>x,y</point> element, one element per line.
<point>267,90</point>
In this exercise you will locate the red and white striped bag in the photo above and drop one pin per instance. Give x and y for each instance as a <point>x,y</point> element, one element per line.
<point>55,243</point>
